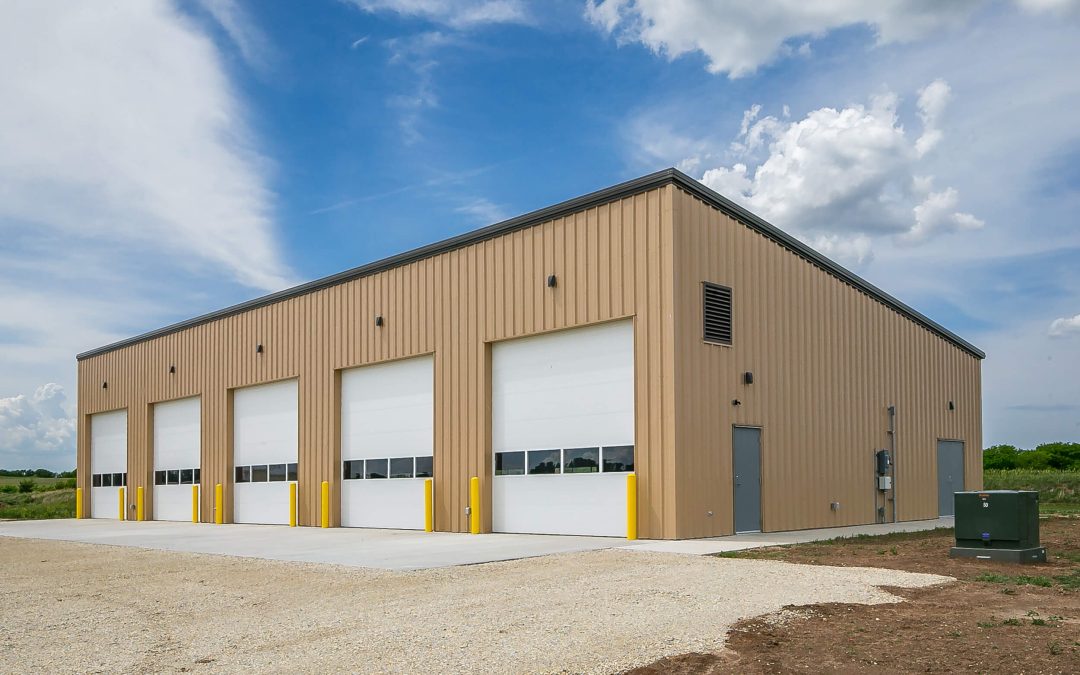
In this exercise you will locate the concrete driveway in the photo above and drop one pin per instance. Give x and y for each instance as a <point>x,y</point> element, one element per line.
<point>379,549</point>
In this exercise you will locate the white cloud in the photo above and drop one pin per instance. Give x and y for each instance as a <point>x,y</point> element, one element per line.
<point>483,211</point>
<point>453,13</point>
<point>739,37</point>
<point>1065,327</point>
<point>129,180</point>
<point>253,44</point>
<point>839,177</point>
<point>1050,6</point>
<point>37,431</point>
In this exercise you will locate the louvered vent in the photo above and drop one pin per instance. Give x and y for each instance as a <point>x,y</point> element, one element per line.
<point>717,313</point>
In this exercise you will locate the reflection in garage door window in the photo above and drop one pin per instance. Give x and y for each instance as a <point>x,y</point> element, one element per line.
<point>544,461</point>
<point>619,458</point>
<point>258,473</point>
<point>401,467</point>
<point>424,468</point>
<point>243,474</point>
<point>581,460</point>
<point>277,472</point>
<point>376,468</point>
<point>354,469</point>
<point>509,463</point>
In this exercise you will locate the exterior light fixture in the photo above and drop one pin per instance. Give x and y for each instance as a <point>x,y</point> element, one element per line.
<point>104,385</point>
<point>952,406</point>
<point>172,369</point>
<point>378,320</point>
<point>552,281</point>
<point>736,402</point>
<point>258,348</point>
<point>748,377</point>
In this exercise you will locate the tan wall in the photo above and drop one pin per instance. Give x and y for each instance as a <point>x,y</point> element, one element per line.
<point>827,361</point>
<point>612,261</point>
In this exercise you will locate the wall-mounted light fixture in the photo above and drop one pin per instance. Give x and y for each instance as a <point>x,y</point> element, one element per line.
<point>748,377</point>
<point>951,406</point>
<point>736,402</point>
<point>172,369</point>
<point>378,320</point>
<point>104,385</point>
<point>552,281</point>
<point>258,348</point>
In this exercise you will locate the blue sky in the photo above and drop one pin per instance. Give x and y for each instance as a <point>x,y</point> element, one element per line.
<point>162,159</point>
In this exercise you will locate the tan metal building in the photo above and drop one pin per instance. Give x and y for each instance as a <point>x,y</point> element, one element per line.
<point>746,380</point>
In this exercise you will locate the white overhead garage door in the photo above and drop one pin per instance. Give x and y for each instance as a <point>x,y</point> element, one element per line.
<point>176,457</point>
<point>108,462</point>
<point>387,441</point>
<point>563,431</point>
<point>265,441</point>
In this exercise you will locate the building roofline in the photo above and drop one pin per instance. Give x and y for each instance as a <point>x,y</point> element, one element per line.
<point>622,190</point>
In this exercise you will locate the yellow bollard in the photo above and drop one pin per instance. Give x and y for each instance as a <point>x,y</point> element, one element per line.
<point>120,503</point>
<point>292,504</point>
<point>429,516</point>
<point>325,503</point>
<point>139,504</point>
<point>219,498</point>
<point>194,503</point>
<point>474,505</point>
<point>631,506</point>
<point>78,503</point>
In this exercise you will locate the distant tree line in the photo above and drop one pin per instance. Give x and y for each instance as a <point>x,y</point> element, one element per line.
<point>1060,456</point>
<point>36,473</point>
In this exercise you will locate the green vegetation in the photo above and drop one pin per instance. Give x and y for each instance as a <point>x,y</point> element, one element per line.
<point>38,504</point>
<point>1059,491</point>
<point>1059,455</point>
<point>28,494</point>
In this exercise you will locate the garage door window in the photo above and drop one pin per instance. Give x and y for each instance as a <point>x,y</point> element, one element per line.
<point>509,463</point>
<point>108,480</point>
<point>424,467</point>
<point>176,477</point>
<point>544,461</point>
<point>582,460</point>
<point>263,473</point>
<point>608,459</point>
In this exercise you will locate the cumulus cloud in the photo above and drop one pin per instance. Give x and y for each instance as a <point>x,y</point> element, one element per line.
<point>1065,327</point>
<point>37,430</point>
<point>839,177</point>
<point>454,13</point>
<point>739,37</point>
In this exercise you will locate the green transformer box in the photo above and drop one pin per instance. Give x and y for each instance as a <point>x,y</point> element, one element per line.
<point>998,525</point>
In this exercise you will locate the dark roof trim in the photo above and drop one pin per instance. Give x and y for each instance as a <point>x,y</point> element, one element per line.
<point>631,187</point>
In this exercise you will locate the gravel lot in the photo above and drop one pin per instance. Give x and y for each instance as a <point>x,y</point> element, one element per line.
<point>82,608</point>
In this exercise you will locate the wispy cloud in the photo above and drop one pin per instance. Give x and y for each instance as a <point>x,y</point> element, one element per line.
<point>254,46</point>
<point>453,13</point>
<point>484,211</point>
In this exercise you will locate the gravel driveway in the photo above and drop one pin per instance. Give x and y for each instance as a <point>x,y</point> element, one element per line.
<point>79,607</point>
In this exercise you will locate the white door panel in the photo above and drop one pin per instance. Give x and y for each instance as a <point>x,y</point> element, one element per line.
<point>108,455</point>
<point>570,389</point>
<point>177,443</point>
<point>265,432</point>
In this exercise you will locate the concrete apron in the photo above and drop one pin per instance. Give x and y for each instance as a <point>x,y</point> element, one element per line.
<point>395,549</point>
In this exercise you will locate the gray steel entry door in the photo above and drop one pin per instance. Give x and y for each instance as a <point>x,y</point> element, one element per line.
<point>950,474</point>
<point>747,461</point>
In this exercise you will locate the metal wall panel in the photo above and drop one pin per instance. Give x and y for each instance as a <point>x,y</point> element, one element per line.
<point>828,360</point>
<point>612,261</point>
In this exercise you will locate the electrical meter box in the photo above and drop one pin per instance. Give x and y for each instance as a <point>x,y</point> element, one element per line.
<point>998,525</point>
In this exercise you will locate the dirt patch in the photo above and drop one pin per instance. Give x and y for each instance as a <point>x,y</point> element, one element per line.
<point>1021,618</point>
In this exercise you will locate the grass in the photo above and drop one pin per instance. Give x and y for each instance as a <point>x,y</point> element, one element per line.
<point>1059,488</point>
<point>14,480</point>
<point>44,501</point>
<point>1016,579</point>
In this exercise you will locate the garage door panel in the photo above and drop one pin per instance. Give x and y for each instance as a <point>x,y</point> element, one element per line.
<point>265,433</point>
<point>391,503</point>
<point>557,392</point>
<point>177,452</point>
<point>387,411</point>
<point>108,462</point>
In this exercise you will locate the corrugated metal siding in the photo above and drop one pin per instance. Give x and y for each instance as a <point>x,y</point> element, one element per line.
<point>612,261</point>
<point>827,361</point>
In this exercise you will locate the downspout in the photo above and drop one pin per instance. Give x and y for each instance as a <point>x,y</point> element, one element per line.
<point>892,453</point>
